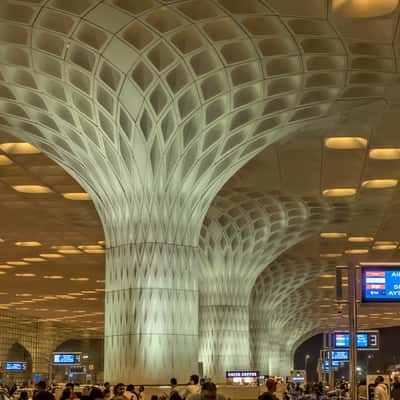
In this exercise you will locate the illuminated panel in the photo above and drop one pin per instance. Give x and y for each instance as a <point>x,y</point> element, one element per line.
<point>381,283</point>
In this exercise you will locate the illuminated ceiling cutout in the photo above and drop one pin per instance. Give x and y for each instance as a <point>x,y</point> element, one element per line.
<point>380,183</point>
<point>327,287</point>
<point>339,192</point>
<point>90,247</point>
<point>386,243</point>
<point>95,251</point>
<point>53,277</point>
<point>356,251</point>
<point>327,276</point>
<point>51,255</point>
<point>360,239</point>
<point>100,281</point>
<point>19,148</point>
<point>6,267</point>
<point>79,279</point>
<point>34,259</point>
<point>26,275</point>
<point>333,235</point>
<point>17,263</point>
<point>385,154</point>
<point>32,189</point>
<point>330,255</point>
<point>63,247</point>
<point>102,242</point>
<point>77,196</point>
<point>70,251</point>
<point>385,247</point>
<point>346,143</point>
<point>28,244</point>
<point>24,294</point>
<point>2,272</point>
<point>363,8</point>
<point>3,293</point>
<point>4,161</point>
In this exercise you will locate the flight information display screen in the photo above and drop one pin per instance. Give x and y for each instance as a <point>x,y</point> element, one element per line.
<point>342,355</point>
<point>14,366</point>
<point>380,283</point>
<point>342,340</point>
<point>66,358</point>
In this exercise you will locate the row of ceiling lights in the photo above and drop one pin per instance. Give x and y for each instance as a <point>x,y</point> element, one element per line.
<point>360,143</point>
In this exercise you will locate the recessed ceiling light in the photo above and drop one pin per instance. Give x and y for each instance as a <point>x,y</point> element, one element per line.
<point>356,251</point>
<point>78,279</point>
<point>51,255</point>
<point>333,235</point>
<point>102,242</point>
<point>77,196</point>
<point>70,251</point>
<point>2,272</point>
<point>25,275</point>
<point>90,247</point>
<point>359,239</point>
<point>34,259</point>
<point>95,251</point>
<point>88,291</point>
<point>32,189</point>
<point>53,277</point>
<point>24,294</point>
<point>17,263</point>
<point>327,287</point>
<point>4,160</point>
<point>28,244</point>
<point>379,183</point>
<point>6,267</point>
<point>339,192</point>
<point>327,276</point>
<point>19,148</point>
<point>346,143</point>
<point>385,243</point>
<point>63,247</point>
<point>385,154</point>
<point>330,255</point>
<point>100,281</point>
<point>3,293</point>
<point>384,247</point>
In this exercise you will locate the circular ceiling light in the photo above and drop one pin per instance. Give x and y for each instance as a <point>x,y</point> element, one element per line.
<point>363,8</point>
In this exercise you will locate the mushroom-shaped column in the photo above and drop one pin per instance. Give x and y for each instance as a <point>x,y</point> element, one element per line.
<point>242,234</point>
<point>151,108</point>
<point>277,284</point>
<point>285,323</point>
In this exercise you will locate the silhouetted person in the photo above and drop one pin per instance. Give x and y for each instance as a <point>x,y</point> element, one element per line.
<point>43,393</point>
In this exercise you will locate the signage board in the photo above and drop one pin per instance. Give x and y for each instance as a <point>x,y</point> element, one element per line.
<point>340,355</point>
<point>366,340</point>
<point>242,374</point>
<point>66,358</point>
<point>298,376</point>
<point>380,283</point>
<point>15,366</point>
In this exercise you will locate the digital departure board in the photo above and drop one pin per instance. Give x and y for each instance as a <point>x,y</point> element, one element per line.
<point>66,358</point>
<point>380,283</point>
<point>15,366</point>
<point>342,355</point>
<point>368,340</point>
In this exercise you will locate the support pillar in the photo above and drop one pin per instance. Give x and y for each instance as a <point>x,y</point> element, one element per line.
<point>151,325</point>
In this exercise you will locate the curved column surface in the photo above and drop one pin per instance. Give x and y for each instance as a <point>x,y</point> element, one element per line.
<point>152,107</point>
<point>151,312</point>
<point>242,234</point>
<point>276,286</point>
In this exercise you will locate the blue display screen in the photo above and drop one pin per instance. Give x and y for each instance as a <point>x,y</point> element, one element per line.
<point>66,358</point>
<point>15,366</point>
<point>381,283</point>
<point>342,340</point>
<point>340,355</point>
<point>325,367</point>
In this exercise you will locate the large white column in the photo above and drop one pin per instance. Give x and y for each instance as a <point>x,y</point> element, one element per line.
<point>242,234</point>
<point>151,312</point>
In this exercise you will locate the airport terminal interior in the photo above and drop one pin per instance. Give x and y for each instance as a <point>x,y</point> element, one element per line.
<point>204,187</point>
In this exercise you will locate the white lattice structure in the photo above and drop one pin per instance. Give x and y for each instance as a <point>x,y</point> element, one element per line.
<point>242,234</point>
<point>152,106</point>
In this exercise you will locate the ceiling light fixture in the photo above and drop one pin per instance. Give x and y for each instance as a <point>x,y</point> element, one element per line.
<point>25,275</point>
<point>363,8</point>
<point>34,259</point>
<point>385,154</point>
<point>4,161</point>
<point>330,255</point>
<point>32,189</point>
<point>360,239</point>
<point>333,235</point>
<point>28,244</point>
<point>79,279</point>
<point>339,192</point>
<point>70,251</point>
<point>17,263</point>
<point>379,183</point>
<point>53,277</point>
<point>346,143</point>
<point>51,255</point>
<point>19,148</point>
<point>77,196</point>
<point>384,247</point>
<point>356,251</point>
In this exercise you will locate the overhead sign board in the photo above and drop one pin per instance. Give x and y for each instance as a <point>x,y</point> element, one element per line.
<point>66,358</point>
<point>15,366</point>
<point>242,374</point>
<point>366,340</point>
<point>340,355</point>
<point>380,283</point>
